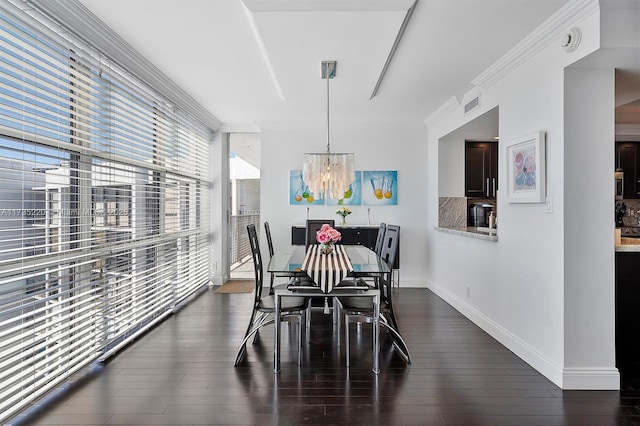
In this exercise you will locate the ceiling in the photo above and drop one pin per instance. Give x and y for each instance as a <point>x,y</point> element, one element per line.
<point>256,61</point>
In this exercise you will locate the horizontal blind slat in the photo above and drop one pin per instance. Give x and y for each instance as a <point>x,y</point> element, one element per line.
<point>102,190</point>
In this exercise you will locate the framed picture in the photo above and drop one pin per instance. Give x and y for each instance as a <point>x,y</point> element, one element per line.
<point>526,169</point>
<point>299,193</point>
<point>352,197</point>
<point>379,188</point>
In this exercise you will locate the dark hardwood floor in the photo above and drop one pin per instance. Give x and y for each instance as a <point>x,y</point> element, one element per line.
<point>181,373</point>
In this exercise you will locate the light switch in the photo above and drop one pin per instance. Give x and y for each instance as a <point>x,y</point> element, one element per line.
<point>548,208</point>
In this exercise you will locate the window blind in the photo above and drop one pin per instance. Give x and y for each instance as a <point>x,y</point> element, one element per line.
<point>104,189</point>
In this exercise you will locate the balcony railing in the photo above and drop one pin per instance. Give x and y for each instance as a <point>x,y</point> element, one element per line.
<point>240,249</point>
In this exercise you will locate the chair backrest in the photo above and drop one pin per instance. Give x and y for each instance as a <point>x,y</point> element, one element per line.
<point>390,245</point>
<point>267,231</point>
<point>257,259</point>
<point>388,254</point>
<point>313,225</point>
<point>380,238</point>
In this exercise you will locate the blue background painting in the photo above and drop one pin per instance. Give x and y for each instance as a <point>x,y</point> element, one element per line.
<point>353,199</point>
<point>299,194</point>
<point>379,188</point>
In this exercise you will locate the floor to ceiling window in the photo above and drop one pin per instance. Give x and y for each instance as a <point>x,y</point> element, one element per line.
<point>104,196</point>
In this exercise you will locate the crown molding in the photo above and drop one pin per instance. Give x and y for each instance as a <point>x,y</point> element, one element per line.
<point>444,111</point>
<point>75,18</point>
<point>540,38</point>
<point>627,132</point>
<point>239,128</point>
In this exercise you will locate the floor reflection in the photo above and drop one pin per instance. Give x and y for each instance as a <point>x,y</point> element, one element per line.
<point>323,390</point>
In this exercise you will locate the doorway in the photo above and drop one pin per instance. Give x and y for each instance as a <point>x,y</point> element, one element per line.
<point>244,200</point>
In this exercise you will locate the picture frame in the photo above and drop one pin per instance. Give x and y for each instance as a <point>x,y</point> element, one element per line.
<point>380,187</point>
<point>299,193</point>
<point>526,168</point>
<point>353,196</point>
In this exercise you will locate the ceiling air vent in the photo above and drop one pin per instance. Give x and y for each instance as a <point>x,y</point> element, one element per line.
<point>472,104</point>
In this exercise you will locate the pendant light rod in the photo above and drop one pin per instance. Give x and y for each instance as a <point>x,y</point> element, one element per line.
<point>328,144</point>
<point>329,174</point>
<point>328,71</point>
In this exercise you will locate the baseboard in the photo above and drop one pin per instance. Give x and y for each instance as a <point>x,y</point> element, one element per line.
<point>591,378</point>
<point>410,282</point>
<point>535,359</point>
<point>585,378</point>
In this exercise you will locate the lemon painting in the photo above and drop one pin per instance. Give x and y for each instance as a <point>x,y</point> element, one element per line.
<point>352,196</point>
<point>299,193</point>
<point>380,188</point>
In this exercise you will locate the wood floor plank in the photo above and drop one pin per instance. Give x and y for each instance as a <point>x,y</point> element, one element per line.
<point>181,373</point>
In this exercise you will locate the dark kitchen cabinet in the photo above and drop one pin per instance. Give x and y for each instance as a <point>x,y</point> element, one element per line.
<point>628,159</point>
<point>627,313</point>
<point>481,169</point>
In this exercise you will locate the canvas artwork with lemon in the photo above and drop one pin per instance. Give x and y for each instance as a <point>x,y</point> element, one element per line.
<point>371,188</point>
<point>379,187</point>
<point>299,193</point>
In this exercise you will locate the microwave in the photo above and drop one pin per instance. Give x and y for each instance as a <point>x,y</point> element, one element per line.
<point>618,178</point>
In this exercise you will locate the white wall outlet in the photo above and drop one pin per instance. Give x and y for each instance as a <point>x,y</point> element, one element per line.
<point>548,208</point>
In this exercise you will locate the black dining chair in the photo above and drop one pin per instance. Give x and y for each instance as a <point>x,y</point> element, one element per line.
<point>299,280</point>
<point>267,231</point>
<point>377,249</point>
<point>264,306</point>
<point>380,238</point>
<point>362,308</point>
<point>313,226</point>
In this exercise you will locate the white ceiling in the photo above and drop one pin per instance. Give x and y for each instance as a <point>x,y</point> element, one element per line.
<point>259,60</point>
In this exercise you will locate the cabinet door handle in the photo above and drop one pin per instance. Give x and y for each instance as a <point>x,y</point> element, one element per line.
<point>494,187</point>
<point>487,187</point>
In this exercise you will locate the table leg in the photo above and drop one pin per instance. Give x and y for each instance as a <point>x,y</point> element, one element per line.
<point>376,333</point>
<point>276,335</point>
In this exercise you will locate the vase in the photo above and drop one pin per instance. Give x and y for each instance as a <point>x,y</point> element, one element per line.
<point>343,222</point>
<point>326,248</point>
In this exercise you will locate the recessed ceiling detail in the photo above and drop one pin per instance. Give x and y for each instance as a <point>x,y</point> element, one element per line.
<point>285,30</point>
<point>396,43</point>
<point>326,5</point>
<point>210,49</point>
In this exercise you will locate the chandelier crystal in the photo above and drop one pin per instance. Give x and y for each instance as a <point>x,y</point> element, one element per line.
<point>329,173</point>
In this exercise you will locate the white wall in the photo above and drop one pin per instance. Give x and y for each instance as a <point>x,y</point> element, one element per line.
<point>517,287</point>
<point>377,146</point>
<point>220,209</point>
<point>589,256</point>
<point>451,167</point>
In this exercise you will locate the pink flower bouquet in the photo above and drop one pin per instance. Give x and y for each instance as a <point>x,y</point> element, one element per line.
<point>327,234</point>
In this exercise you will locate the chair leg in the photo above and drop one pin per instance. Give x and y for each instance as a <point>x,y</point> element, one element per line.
<point>301,325</point>
<point>346,339</point>
<point>258,323</point>
<point>392,319</point>
<point>404,350</point>
<point>250,326</point>
<point>308,320</point>
<point>242,349</point>
<point>338,314</point>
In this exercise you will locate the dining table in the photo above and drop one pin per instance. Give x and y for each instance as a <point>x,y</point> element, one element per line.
<point>344,266</point>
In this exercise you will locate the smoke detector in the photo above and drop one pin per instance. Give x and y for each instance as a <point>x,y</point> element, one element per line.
<point>571,39</point>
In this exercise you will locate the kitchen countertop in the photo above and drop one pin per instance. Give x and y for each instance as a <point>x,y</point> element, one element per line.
<point>628,245</point>
<point>477,232</point>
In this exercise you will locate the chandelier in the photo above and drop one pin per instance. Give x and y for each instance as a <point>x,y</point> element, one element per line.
<point>329,173</point>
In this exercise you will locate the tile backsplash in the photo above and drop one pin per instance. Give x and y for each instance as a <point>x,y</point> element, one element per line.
<point>452,212</point>
<point>632,217</point>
